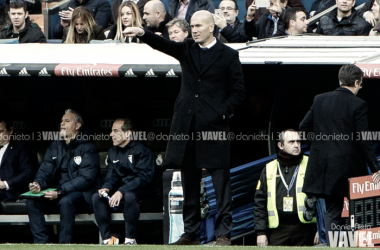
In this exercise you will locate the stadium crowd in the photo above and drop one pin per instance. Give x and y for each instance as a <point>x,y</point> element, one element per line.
<point>85,20</point>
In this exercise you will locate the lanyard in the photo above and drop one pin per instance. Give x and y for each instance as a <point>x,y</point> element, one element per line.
<point>291,182</point>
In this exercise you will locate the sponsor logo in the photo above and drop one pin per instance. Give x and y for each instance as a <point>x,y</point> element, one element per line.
<point>44,73</point>
<point>171,73</point>
<point>23,72</point>
<point>19,125</point>
<point>162,122</point>
<point>86,70</point>
<point>3,72</point>
<point>150,73</point>
<point>159,160</point>
<point>130,73</point>
<point>106,123</point>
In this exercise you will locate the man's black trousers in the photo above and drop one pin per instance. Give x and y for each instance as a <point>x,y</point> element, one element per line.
<point>191,178</point>
<point>131,212</point>
<point>334,207</point>
<point>67,205</point>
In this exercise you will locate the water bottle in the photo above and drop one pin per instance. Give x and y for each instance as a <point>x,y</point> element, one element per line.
<point>105,195</point>
<point>175,208</point>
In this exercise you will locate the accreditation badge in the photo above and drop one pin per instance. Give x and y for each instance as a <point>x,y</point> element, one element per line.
<point>288,204</point>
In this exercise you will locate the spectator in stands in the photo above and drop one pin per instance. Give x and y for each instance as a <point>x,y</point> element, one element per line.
<point>277,206</point>
<point>130,170</point>
<point>156,17</point>
<point>343,21</point>
<point>184,9</point>
<point>375,10</point>
<point>268,23</point>
<point>115,9</point>
<point>335,158</point>
<point>16,163</point>
<point>295,22</point>
<point>129,16</point>
<point>82,28</point>
<point>71,165</point>
<point>229,26</point>
<point>178,29</point>
<point>99,9</point>
<point>21,27</point>
<point>2,14</point>
<point>260,11</point>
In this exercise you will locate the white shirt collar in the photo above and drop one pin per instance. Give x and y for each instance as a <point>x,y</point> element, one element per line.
<point>210,45</point>
<point>2,150</point>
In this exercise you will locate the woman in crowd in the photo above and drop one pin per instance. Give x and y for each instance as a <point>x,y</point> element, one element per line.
<point>129,16</point>
<point>375,10</point>
<point>82,28</point>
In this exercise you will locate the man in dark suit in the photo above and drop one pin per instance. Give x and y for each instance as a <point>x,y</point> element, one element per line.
<point>331,161</point>
<point>212,88</point>
<point>16,163</point>
<point>71,165</point>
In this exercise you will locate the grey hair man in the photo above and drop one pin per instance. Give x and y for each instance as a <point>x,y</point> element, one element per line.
<point>178,29</point>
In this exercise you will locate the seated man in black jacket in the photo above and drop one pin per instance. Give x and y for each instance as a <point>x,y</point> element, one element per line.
<point>230,28</point>
<point>21,27</point>
<point>72,166</point>
<point>156,17</point>
<point>343,21</point>
<point>269,23</point>
<point>16,163</point>
<point>99,9</point>
<point>279,205</point>
<point>130,170</point>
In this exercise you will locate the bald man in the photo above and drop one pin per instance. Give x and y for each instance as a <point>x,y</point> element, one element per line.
<point>212,89</point>
<point>156,17</point>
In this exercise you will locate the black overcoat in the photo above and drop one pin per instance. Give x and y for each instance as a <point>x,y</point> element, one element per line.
<point>335,159</point>
<point>210,95</point>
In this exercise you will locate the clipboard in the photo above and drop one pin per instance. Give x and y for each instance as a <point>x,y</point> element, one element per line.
<point>31,195</point>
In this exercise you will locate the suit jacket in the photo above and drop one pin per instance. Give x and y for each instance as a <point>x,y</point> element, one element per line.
<point>16,168</point>
<point>210,95</point>
<point>194,6</point>
<point>332,162</point>
<point>264,27</point>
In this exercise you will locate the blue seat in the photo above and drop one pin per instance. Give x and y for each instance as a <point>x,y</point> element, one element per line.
<point>9,41</point>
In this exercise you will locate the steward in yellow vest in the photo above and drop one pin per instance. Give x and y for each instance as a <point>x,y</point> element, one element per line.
<point>279,201</point>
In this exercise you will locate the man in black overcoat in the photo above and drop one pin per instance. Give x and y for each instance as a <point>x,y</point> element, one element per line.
<point>212,88</point>
<point>333,161</point>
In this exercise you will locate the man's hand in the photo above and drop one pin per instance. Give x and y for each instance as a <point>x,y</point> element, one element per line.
<point>262,241</point>
<point>35,187</point>
<point>100,191</point>
<point>251,11</point>
<point>51,195</point>
<point>221,22</point>
<point>2,185</point>
<point>115,199</point>
<point>369,17</point>
<point>376,177</point>
<point>133,31</point>
<point>316,239</point>
<point>66,16</point>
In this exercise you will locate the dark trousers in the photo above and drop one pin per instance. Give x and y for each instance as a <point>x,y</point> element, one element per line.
<point>67,206</point>
<point>102,211</point>
<point>191,178</point>
<point>3,195</point>
<point>299,234</point>
<point>334,207</point>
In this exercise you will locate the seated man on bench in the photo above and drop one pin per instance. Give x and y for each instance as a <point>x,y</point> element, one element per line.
<point>16,163</point>
<point>130,170</point>
<point>72,166</point>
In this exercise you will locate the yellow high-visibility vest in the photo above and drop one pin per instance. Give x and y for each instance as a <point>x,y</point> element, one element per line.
<point>271,169</point>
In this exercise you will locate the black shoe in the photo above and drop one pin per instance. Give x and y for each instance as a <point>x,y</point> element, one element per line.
<point>223,241</point>
<point>185,241</point>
